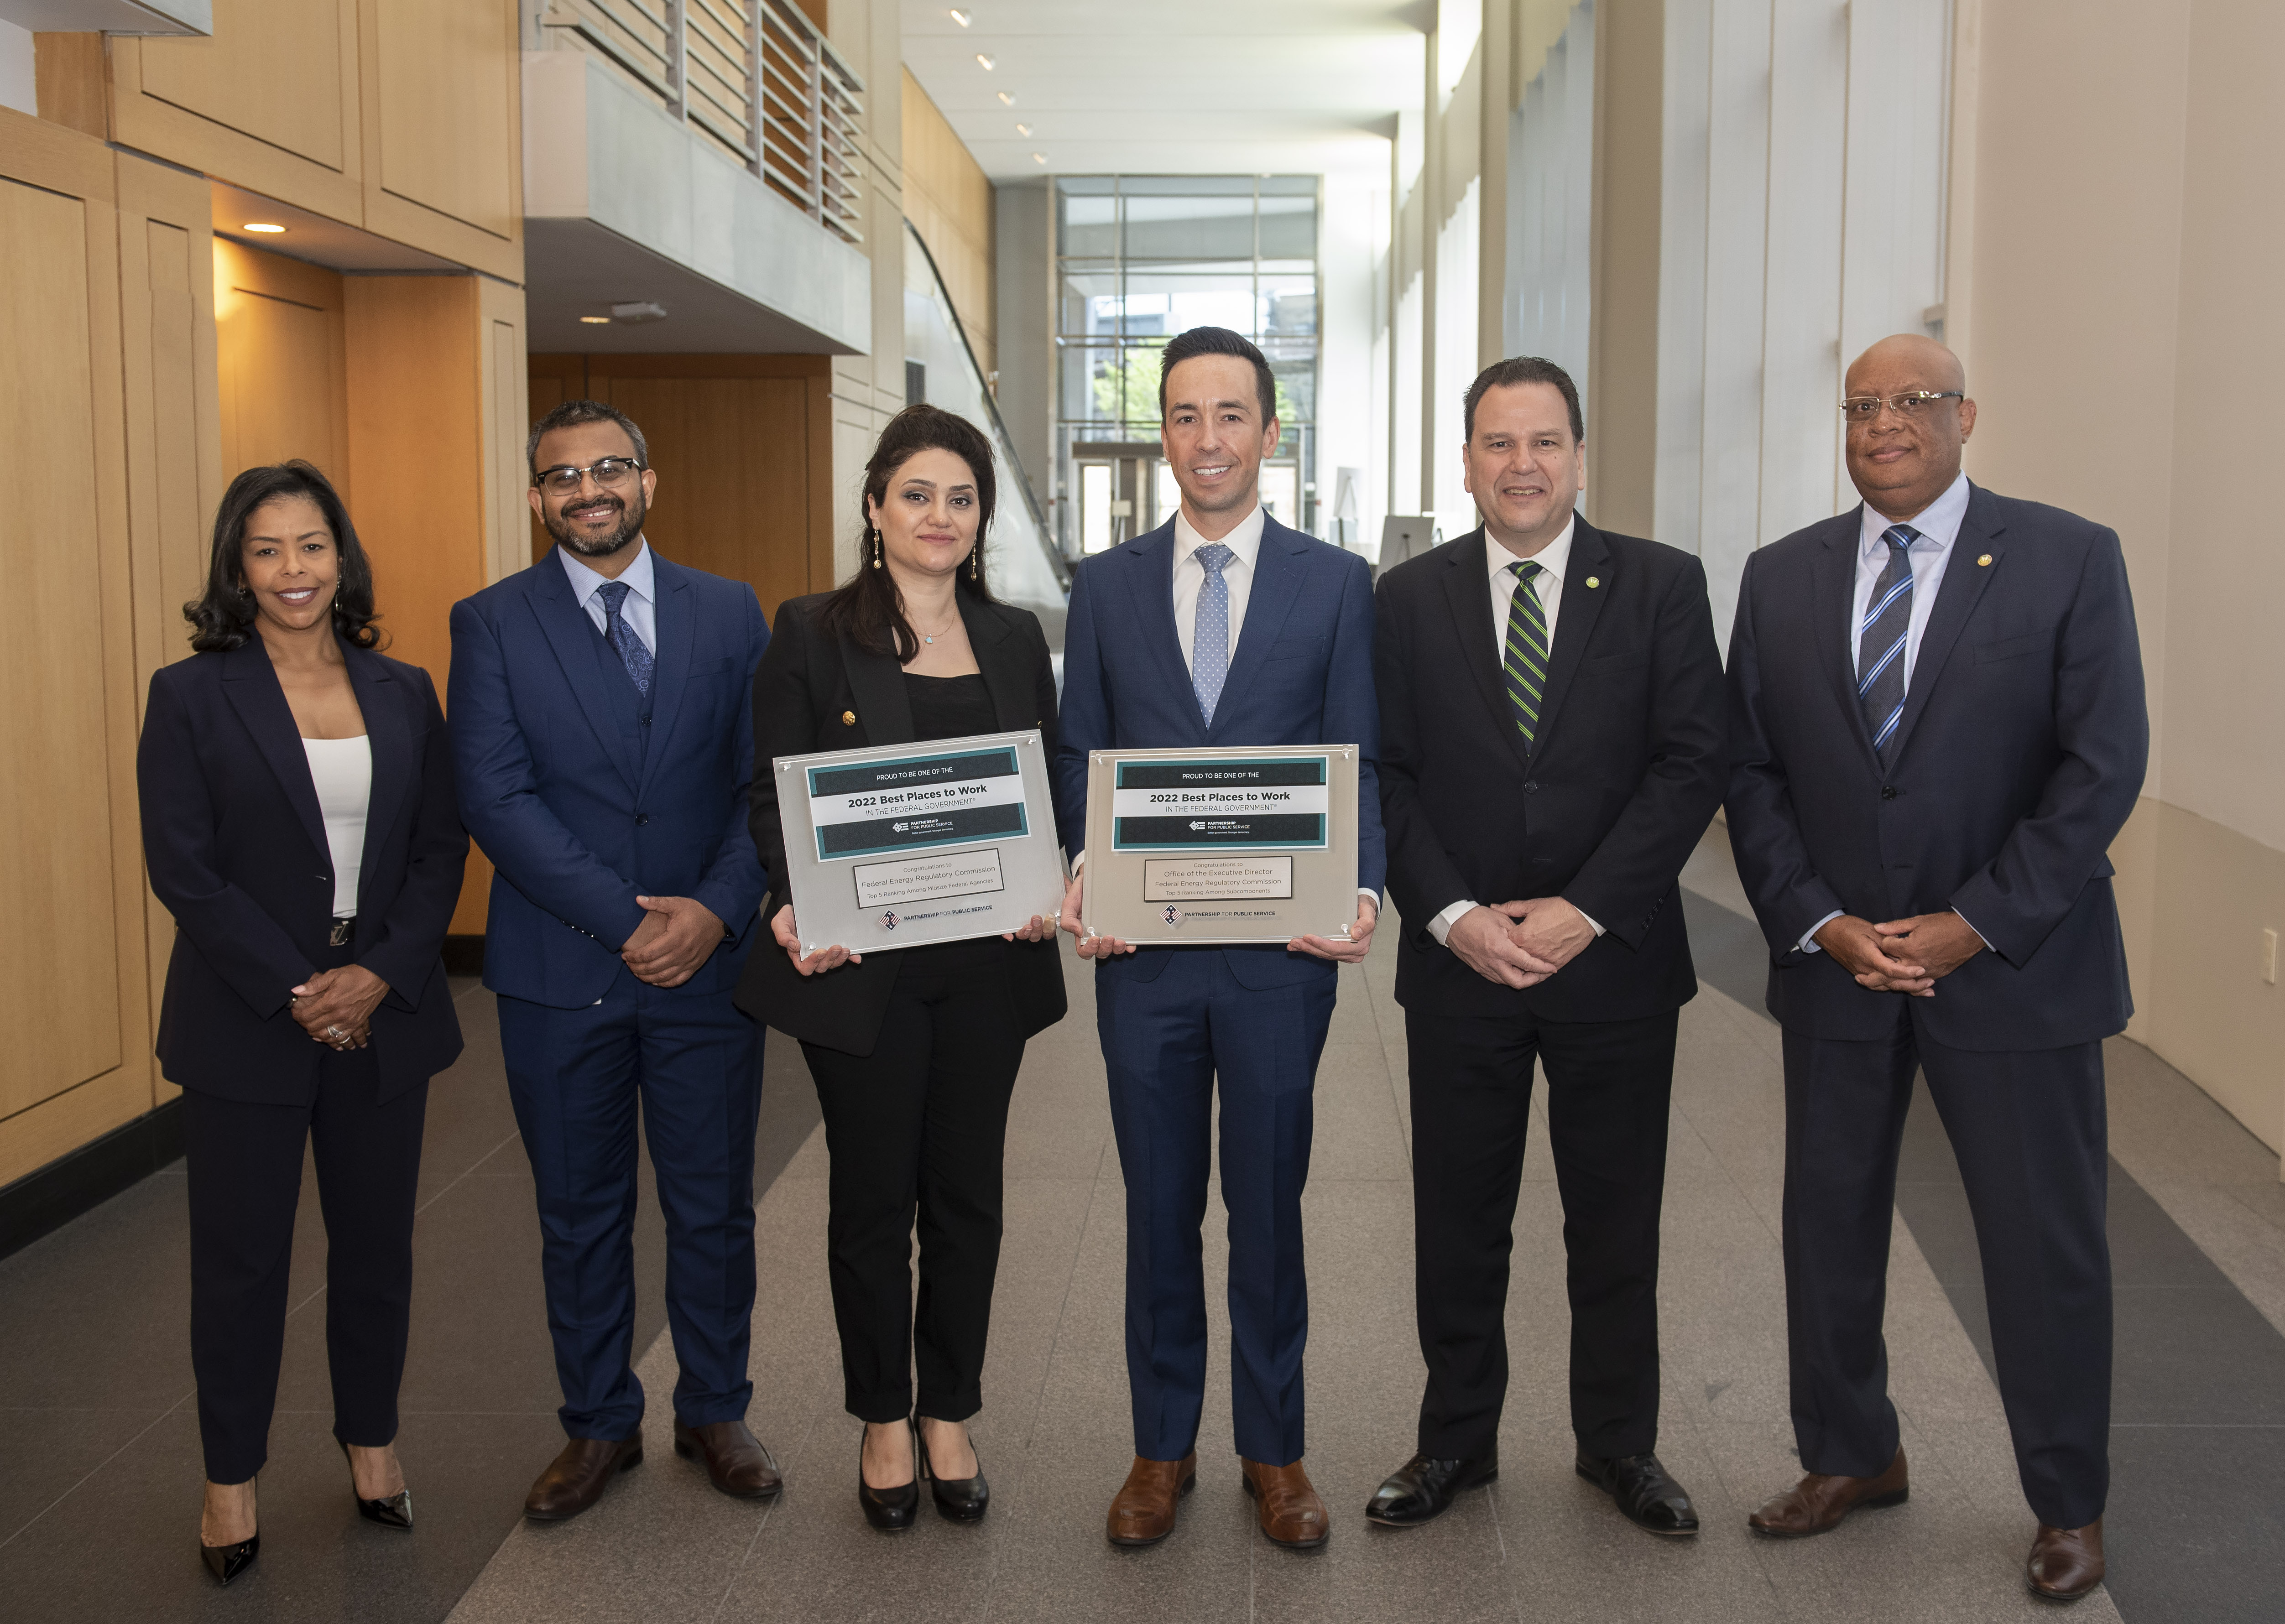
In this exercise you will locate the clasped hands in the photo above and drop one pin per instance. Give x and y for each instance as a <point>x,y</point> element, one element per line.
<point>677,935</point>
<point>1901,955</point>
<point>335,1007</point>
<point>782,927</point>
<point>1351,952</point>
<point>1520,944</point>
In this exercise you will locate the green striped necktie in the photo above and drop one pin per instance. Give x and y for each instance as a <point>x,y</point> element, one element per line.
<point>1524,661</point>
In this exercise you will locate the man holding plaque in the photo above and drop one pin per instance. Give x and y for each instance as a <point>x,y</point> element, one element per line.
<point>1552,718</point>
<point>1220,628</point>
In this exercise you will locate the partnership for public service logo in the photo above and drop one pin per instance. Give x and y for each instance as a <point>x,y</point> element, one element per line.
<point>1174,914</point>
<point>889,920</point>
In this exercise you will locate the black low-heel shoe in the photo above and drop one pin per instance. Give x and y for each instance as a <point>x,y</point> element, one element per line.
<point>958,1500</point>
<point>891,1511</point>
<point>227,1562</point>
<point>395,1512</point>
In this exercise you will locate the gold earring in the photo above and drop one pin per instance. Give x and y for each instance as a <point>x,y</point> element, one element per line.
<point>880,545</point>
<point>976,562</point>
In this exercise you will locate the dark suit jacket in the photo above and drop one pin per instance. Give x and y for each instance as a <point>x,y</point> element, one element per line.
<point>236,848</point>
<point>2019,755</point>
<point>1302,675</point>
<point>820,693</point>
<point>1603,811</point>
<point>584,801</point>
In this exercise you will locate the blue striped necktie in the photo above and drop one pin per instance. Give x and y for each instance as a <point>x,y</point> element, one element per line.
<point>1210,630</point>
<point>1881,639</point>
<point>1523,662</point>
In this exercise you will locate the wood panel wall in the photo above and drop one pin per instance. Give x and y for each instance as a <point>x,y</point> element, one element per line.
<point>948,200</point>
<point>283,328</point>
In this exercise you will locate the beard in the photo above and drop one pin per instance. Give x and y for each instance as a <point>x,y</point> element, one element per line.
<point>630,526</point>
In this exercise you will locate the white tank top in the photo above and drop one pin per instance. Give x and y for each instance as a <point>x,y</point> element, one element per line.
<point>343,770</point>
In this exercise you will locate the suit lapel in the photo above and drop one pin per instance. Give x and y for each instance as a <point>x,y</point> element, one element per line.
<point>1833,587</point>
<point>1150,563</point>
<point>1013,701</point>
<point>252,685</point>
<point>1964,581</point>
<point>1468,594</point>
<point>1574,622</point>
<point>675,615</point>
<point>389,741</point>
<point>877,682</point>
<point>579,649</point>
<point>1276,584</point>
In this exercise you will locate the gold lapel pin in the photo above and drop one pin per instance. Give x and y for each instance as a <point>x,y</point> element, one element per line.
<point>849,719</point>
<point>1594,580</point>
<point>1984,562</point>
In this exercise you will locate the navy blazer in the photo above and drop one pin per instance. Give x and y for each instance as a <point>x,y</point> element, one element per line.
<point>2019,755</point>
<point>236,848</point>
<point>1604,806</point>
<point>1302,675</point>
<point>583,798</point>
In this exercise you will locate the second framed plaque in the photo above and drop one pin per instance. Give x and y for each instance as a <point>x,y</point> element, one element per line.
<point>1229,846</point>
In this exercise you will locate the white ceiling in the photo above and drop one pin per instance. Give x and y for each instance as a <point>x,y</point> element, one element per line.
<point>1181,87</point>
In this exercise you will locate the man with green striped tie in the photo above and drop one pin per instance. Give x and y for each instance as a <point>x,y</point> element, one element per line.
<point>1553,722</point>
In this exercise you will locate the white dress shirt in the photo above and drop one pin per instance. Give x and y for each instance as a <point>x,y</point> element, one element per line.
<point>641,609</point>
<point>1190,577</point>
<point>1553,560</point>
<point>1938,524</point>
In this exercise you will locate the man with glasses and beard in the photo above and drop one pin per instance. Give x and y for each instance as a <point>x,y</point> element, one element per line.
<point>601,706</point>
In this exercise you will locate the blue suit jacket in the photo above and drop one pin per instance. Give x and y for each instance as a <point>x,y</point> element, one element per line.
<point>581,802</point>
<point>1302,675</point>
<point>2021,752</point>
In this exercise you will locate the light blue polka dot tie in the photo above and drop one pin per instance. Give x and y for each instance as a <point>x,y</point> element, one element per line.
<point>1210,633</point>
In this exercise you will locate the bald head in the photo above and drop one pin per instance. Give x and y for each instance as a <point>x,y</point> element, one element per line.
<point>1907,452</point>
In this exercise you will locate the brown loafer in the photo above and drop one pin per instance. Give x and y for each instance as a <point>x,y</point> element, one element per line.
<point>575,1478</point>
<point>1286,1505</point>
<point>1818,1503</point>
<point>2065,1563</point>
<point>1142,1511</point>
<point>736,1460</point>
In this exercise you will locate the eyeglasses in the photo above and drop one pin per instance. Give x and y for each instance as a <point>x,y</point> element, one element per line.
<point>610,474</point>
<point>1916,404</point>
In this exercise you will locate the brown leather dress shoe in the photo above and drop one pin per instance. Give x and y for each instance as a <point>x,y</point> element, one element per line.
<point>2065,1563</point>
<point>575,1478</point>
<point>1142,1511</point>
<point>1286,1504</point>
<point>1818,1503</point>
<point>735,1459</point>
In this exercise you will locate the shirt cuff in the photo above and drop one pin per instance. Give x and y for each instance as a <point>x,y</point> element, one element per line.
<point>1808,943</point>
<point>1589,918</point>
<point>1441,925</point>
<point>1978,935</point>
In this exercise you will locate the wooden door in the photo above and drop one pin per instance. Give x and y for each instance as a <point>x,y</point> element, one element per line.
<point>281,337</point>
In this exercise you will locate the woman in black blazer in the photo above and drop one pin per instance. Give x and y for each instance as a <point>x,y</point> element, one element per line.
<point>915,1052</point>
<point>299,822</point>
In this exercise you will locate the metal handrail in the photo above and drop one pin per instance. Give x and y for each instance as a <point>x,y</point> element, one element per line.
<point>757,76</point>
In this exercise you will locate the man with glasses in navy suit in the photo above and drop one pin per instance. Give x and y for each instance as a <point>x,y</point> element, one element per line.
<point>1221,627</point>
<point>602,720</point>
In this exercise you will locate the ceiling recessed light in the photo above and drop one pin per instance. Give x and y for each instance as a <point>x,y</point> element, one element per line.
<point>1022,129</point>
<point>264,227</point>
<point>1039,158</point>
<point>596,321</point>
<point>1007,100</point>
<point>984,62</point>
<point>960,17</point>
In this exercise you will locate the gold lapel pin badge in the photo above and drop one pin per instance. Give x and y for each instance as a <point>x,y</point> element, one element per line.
<point>1983,562</point>
<point>1594,580</point>
<point>849,719</point>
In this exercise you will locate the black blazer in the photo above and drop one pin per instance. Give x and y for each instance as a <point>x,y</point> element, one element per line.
<point>236,849</point>
<point>1604,808</point>
<point>820,693</point>
<point>2021,753</point>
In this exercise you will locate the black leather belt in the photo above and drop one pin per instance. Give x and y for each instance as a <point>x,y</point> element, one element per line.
<point>340,936</point>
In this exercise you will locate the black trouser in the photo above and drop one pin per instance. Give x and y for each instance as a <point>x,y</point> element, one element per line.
<point>2029,1130</point>
<point>245,1167</point>
<point>919,1127</point>
<point>1609,1083</point>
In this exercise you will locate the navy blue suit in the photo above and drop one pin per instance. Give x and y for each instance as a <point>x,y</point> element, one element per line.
<point>2019,757</point>
<point>1174,1019</point>
<point>585,793</point>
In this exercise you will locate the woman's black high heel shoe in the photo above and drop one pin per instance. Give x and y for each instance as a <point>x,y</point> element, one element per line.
<point>227,1562</point>
<point>891,1511</point>
<point>958,1500</point>
<point>395,1512</point>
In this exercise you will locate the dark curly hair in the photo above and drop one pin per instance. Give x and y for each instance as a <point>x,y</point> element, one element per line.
<point>868,609</point>
<point>222,619</point>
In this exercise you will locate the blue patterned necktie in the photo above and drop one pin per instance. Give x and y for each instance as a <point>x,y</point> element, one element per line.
<point>1881,639</point>
<point>1210,632</point>
<point>632,651</point>
<point>1523,662</point>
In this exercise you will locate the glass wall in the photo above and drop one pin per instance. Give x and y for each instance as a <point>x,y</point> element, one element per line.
<point>1141,258</point>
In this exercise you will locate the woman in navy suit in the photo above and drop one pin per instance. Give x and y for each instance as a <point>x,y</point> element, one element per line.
<point>299,822</point>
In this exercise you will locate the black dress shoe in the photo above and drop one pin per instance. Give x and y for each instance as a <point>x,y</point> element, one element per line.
<point>891,1511</point>
<point>958,1500</point>
<point>1423,1489</point>
<point>227,1562</point>
<point>1650,1498</point>
<point>392,1511</point>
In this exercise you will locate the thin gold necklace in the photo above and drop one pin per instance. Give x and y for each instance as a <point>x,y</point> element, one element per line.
<point>931,637</point>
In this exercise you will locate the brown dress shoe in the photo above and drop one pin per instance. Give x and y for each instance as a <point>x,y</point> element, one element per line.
<point>735,1459</point>
<point>575,1478</point>
<point>1819,1502</point>
<point>1142,1511</point>
<point>2065,1563</point>
<point>1286,1505</point>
